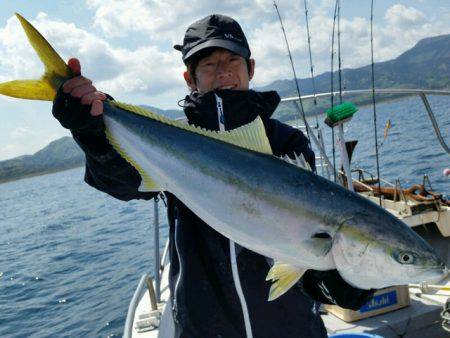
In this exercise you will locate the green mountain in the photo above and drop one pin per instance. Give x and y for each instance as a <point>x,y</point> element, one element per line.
<point>61,154</point>
<point>426,65</point>
<point>170,113</point>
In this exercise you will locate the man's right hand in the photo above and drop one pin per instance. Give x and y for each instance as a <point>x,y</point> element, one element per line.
<point>78,104</point>
<point>82,88</point>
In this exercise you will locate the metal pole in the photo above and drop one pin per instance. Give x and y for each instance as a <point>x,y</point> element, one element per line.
<point>344,157</point>
<point>434,123</point>
<point>157,262</point>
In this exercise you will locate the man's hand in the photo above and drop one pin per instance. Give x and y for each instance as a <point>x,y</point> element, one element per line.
<point>82,88</point>
<point>78,105</point>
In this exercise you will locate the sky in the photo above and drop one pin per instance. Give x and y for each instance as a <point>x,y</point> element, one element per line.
<point>126,47</point>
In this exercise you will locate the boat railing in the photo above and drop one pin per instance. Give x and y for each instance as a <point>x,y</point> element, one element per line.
<point>128,329</point>
<point>157,261</point>
<point>142,287</point>
<point>422,93</point>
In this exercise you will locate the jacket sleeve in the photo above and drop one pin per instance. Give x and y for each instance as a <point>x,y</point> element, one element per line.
<point>106,170</point>
<point>286,140</point>
<point>328,287</point>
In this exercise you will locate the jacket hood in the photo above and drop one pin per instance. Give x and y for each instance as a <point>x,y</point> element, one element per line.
<point>239,107</point>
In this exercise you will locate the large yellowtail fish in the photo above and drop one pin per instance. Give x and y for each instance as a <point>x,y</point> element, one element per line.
<point>232,181</point>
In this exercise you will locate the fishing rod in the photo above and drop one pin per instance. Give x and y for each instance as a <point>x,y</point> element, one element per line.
<point>310,60</point>
<point>339,49</point>
<point>373,100</point>
<point>332,85</point>
<point>300,106</point>
<point>313,83</point>
<point>310,133</point>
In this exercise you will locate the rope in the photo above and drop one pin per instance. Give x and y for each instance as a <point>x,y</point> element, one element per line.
<point>373,100</point>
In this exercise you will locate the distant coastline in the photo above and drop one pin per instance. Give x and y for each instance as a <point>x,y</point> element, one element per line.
<point>41,173</point>
<point>61,154</point>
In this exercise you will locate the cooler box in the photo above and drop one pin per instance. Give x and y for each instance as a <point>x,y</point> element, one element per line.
<point>384,300</point>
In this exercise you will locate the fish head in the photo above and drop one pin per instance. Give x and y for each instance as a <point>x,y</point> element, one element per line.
<point>376,252</point>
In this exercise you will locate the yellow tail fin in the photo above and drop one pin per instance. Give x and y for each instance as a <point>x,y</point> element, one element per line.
<point>56,70</point>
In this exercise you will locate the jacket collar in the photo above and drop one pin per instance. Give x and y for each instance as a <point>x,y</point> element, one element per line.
<point>239,107</point>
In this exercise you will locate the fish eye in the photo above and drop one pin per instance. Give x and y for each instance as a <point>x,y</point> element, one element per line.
<point>406,258</point>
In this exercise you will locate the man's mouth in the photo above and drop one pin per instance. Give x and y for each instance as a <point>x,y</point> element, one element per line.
<point>227,87</point>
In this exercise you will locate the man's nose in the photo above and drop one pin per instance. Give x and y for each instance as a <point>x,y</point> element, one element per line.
<point>223,69</point>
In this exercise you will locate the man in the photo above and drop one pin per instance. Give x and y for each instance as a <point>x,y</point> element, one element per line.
<point>208,298</point>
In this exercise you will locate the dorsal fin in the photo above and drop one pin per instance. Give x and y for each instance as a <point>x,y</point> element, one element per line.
<point>299,161</point>
<point>251,136</point>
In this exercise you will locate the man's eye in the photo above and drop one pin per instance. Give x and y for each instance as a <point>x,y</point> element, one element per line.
<point>207,65</point>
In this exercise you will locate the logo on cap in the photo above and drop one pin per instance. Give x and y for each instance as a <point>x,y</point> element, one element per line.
<point>231,37</point>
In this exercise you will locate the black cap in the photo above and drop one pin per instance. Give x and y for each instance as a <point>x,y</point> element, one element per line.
<point>214,31</point>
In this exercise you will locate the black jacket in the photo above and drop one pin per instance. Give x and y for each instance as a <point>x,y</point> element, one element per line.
<point>204,298</point>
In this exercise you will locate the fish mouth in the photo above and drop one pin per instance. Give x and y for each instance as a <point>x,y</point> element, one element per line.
<point>438,274</point>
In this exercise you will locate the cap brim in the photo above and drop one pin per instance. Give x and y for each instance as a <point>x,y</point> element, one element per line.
<point>226,44</point>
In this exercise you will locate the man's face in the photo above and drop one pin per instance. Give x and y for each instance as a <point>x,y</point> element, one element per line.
<point>221,69</point>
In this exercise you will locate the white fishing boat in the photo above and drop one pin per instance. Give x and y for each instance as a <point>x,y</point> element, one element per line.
<point>150,315</point>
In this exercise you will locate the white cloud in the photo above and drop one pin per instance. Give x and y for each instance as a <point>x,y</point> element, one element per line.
<point>154,69</point>
<point>117,18</point>
<point>152,72</point>
<point>21,132</point>
<point>404,17</point>
<point>404,27</point>
<point>144,70</point>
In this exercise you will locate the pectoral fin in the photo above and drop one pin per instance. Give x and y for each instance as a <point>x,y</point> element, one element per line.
<point>320,245</point>
<point>283,277</point>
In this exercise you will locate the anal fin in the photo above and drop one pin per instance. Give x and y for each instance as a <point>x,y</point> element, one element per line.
<point>283,277</point>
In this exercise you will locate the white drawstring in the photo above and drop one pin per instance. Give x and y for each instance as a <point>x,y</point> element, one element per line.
<point>234,267</point>
<point>237,285</point>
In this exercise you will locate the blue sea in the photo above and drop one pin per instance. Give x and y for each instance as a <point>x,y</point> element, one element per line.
<point>71,257</point>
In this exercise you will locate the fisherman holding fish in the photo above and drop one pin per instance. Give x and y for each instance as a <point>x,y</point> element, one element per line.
<point>328,244</point>
<point>208,298</point>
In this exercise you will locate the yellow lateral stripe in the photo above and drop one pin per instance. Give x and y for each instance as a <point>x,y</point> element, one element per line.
<point>148,181</point>
<point>251,136</point>
<point>52,61</point>
<point>28,89</point>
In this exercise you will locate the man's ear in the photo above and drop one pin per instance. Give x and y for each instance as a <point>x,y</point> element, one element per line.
<point>189,80</point>
<point>251,71</point>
